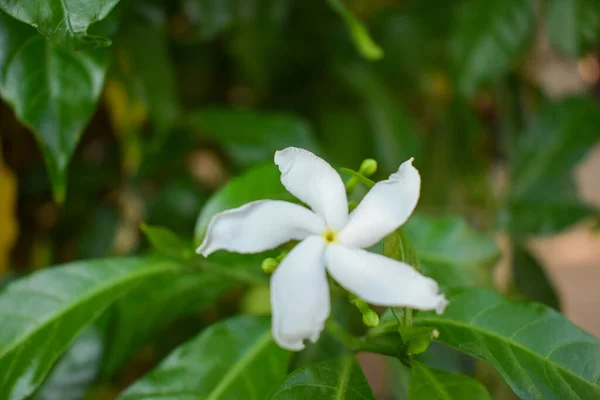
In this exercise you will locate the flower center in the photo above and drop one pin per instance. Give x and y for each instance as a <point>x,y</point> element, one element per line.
<point>330,236</point>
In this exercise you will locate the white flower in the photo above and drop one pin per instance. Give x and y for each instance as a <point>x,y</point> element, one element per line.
<point>330,239</point>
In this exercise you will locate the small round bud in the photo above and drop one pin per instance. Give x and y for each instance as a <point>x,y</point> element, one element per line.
<point>370,319</point>
<point>368,167</point>
<point>435,334</point>
<point>269,265</point>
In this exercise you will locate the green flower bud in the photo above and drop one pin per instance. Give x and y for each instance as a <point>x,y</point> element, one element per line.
<point>370,319</point>
<point>269,265</point>
<point>368,167</point>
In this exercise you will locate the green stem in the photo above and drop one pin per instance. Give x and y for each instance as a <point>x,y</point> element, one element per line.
<point>407,318</point>
<point>357,345</point>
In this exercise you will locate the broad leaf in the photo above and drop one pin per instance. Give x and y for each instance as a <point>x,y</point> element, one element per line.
<point>259,183</point>
<point>539,353</point>
<point>335,379</point>
<point>543,198</point>
<point>233,359</point>
<point>75,372</point>
<point>63,21</point>
<point>250,137</point>
<point>531,280</point>
<point>53,306</point>
<point>452,252</point>
<point>52,90</point>
<point>488,39</point>
<point>435,384</point>
<point>573,25</point>
<point>143,313</point>
<point>166,242</point>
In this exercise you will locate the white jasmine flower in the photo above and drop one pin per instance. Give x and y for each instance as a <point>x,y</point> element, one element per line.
<point>330,240</point>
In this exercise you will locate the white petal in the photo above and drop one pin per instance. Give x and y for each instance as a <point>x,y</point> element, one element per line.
<point>314,182</point>
<point>381,280</point>
<point>300,295</point>
<point>387,206</point>
<point>259,226</point>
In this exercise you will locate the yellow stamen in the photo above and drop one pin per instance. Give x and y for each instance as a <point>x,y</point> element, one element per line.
<point>330,236</point>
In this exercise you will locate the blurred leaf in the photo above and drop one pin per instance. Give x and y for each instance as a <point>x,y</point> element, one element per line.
<point>232,359</point>
<point>53,306</point>
<point>8,227</point>
<point>78,368</point>
<point>97,236</point>
<point>451,252</point>
<point>166,242</point>
<point>142,64</point>
<point>543,197</point>
<point>250,137</point>
<point>431,383</point>
<point>531,280</point>
<point>573,25</point>
<point>488,39</point>
<point>65,22</point>
<point>258,183</point>
<point>53,91</point>
<point>538,352</point>
<point>394,133</point>
<point>360,35</point>
<point>335,379</point>
<point>416,338</point>
<point>342,132</point>
<point>143,313</point>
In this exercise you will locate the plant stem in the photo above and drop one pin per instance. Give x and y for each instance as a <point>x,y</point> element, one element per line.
<point>407,318</point>
<point>357,345</point>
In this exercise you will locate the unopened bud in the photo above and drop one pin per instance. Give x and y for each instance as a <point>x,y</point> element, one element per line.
<point>435,334</point>
<point>370,319</point>
<point>368,167</point>
<point>269,265</point>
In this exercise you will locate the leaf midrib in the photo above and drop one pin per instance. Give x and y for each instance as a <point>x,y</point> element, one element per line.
<point>503,339</point>
<point>93,293</point>
<point>344,377</point>
<point>237,368</point>
<point>435,383</point>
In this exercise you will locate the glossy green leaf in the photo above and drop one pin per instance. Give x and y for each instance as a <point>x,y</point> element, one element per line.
<point>358,31</point>
<point>452,252</point>
<point>142,64</point>
<point>337,379</point>
<point>52,90</point>
<point>233,359</point>
<point>573,25</point>
<point>143,313</point>
<point>259,183</point>
<point>543,198</point>
<point>435,384</point>
<point>489,38</point>
<point>53,306</point>
<point>531,280</point>
<point>65,22</point>
<point>416,338</point>
<point>78,368</point>
<point>166,242</point>
<point>250,137</point>
<point>394,132</point>
<point>538,352</point>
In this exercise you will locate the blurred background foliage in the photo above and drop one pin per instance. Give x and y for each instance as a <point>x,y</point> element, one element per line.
<point>497,102</point>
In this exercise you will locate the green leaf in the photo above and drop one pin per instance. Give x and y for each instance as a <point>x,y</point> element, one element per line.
<point>143,66</point>
<point>335,379</point>
<point>42,314</point>
<point>543,198</point>
<point>416,338</point>
<point>452,252</point>
<point>142,313</point>
<point>65,22</point>
<point>52,90</point>
<point>360,35</point>
<point>488,39</point>
<point>250,137</point>
<point>538,352</point>
<point>76,370</point>
<point>394,132</point>
<point>435,384</point>
<point>166,242</point>
<point>233,359</point>
<point>258,183</point>
<point>573,25</point>
<point>531,280</point>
